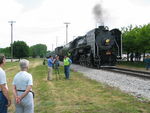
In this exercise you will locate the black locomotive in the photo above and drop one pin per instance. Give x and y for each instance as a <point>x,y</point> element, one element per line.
<point>99,47</point>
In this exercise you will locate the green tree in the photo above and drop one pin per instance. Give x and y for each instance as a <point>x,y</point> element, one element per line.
<point>20,49</point>
<point>128,40</point>
<point>136,40</point>
<point>38,50</point>
<point>5,51</point>
<point>144,38</point>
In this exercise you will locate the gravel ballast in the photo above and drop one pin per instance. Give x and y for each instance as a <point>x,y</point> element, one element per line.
<point>136,86</point>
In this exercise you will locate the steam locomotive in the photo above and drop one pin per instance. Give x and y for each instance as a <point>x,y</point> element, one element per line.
<point>99,47</point>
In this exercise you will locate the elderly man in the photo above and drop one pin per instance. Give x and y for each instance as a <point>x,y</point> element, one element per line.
<point>22,89</point>
<point>4,97</point>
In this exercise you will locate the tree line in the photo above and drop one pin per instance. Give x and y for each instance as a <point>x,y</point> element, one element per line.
<point>21,50</point>
<point>136,41</point>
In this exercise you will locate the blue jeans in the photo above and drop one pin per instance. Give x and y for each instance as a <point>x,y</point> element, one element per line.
<point>3,103</point>
<point>67,71</point>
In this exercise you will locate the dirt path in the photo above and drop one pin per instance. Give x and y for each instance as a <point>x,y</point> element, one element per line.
<point>34,64</point>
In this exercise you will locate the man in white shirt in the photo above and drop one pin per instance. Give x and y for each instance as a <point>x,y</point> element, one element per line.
<point>5,101</point>
<point>22,87</point>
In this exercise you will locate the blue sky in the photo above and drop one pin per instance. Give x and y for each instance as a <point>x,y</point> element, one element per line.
<point>41,21</point>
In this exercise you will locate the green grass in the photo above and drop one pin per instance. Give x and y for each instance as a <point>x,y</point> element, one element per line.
<point>77,95</point>
<point>132,64</point>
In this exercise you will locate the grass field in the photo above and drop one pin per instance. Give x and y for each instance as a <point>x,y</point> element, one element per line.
<point>77,95</point>
<point>132,64</point>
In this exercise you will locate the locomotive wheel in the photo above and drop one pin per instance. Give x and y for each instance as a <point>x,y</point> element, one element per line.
<point>88,62</point>
<point>98,65</point>
<point>80,60</point>
<point>97,62</point>
<point>84,60</point>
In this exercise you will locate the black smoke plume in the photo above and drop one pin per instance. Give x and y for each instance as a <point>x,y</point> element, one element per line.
<point>98,13</point>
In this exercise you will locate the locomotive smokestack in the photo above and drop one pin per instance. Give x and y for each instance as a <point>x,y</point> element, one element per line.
<point>98,13</point>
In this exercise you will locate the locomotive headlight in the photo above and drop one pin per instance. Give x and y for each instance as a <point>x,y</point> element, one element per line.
<point>108,40</point>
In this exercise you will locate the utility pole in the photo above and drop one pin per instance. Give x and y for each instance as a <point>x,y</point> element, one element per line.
<point>11,23</point>
<point>56,40</point>
<point>52,47</point>
<point>67,23</point>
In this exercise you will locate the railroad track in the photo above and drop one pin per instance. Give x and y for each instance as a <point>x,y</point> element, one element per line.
<point>136,73</point>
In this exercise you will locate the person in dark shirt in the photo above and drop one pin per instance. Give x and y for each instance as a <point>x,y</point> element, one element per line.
<point>147,61</point>
<point>56,67</point>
